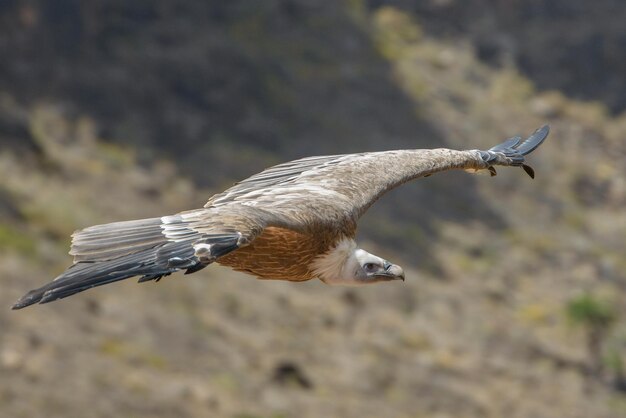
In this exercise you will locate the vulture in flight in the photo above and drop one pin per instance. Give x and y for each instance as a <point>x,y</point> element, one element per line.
<point>295,221</point>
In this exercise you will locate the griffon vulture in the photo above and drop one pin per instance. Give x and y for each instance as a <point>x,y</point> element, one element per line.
<point>295,221</point>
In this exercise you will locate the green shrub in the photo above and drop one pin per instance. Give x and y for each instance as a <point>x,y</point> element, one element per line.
<point>14,239</point>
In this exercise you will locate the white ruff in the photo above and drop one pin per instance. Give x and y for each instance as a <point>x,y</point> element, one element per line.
<point>329,266</point>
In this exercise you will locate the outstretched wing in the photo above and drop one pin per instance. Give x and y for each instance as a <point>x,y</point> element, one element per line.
<point>336,189</point>
<point>331,192</point>
<point>149,248</point>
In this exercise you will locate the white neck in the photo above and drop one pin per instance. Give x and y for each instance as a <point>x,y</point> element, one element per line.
<point>329,267</point>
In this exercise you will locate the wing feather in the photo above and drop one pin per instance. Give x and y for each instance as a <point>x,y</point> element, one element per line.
<point>279,175</point>
<point>333,190</point>
<point>149,248</point>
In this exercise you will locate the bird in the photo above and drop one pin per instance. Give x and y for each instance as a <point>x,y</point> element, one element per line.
<point>295,221</point>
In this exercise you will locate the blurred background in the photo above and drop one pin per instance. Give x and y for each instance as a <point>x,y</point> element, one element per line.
<point>514,299</point>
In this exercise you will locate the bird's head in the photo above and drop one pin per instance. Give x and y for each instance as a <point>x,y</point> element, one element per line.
<point>348,265</point>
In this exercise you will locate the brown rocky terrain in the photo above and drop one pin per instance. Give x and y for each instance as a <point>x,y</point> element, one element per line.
<point>117,110</point>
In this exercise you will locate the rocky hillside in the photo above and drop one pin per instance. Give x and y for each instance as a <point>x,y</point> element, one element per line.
<point>115,110</point>
<point>572,46</point>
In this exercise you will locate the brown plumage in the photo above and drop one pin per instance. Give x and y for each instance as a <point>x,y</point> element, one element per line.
<point>279,254</point>
<point>295,221</point>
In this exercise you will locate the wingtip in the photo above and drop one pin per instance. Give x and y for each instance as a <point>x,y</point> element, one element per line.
<point>529,170</point>
<point>534,140</point>
<point>20,304</point>
<point>543,131</point>
<point>31,298</point>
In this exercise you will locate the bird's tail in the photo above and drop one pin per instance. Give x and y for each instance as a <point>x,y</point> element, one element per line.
<point>107,253</point>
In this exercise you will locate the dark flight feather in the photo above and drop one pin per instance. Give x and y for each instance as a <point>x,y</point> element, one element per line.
<point>108,253</point>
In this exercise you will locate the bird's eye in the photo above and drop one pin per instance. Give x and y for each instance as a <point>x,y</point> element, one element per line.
<point>369,267</point>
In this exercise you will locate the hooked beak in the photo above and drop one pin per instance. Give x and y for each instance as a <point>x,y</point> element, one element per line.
<point>392,272</point>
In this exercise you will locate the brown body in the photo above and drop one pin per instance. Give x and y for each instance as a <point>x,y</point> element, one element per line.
<point>279,254</point>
